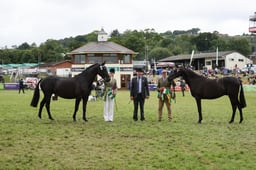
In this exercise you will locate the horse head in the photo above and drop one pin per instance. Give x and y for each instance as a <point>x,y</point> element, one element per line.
<point>103,72</point>
<point>176,73</point>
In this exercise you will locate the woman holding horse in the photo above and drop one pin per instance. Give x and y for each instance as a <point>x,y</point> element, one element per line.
<point>110,90</point>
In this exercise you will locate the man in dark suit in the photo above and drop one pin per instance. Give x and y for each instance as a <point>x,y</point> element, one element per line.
<point>138,92</point>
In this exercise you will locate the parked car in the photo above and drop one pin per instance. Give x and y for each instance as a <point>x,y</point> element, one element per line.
<point>248,69</point>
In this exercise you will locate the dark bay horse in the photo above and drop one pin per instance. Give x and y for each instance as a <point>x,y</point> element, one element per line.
<point>205,88</point>
<point>78,87</point>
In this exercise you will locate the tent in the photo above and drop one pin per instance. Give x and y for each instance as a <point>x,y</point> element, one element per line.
<point>166,64</point>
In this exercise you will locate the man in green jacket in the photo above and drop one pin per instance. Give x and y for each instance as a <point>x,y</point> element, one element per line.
<point>164,95</point>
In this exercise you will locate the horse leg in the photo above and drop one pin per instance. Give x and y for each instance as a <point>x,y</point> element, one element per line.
<point>233,114</point>
<point>85,99</point>
<point>241,114</point>
<point>42,103</point>
<point>47,105</point>
<point>234,103</point>
<point>198,102</point>
<point>76,108</point>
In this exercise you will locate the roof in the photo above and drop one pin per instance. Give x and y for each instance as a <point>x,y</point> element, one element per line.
<point>197,56</point>
<point>102,47</point>
<point>52,64</point>
<point>19,65</point>
<point>165,64</point>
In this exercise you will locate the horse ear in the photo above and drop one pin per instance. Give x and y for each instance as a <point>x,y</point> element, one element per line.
<point>103,63</point>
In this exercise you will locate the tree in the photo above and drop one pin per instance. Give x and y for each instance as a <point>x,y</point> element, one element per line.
<point>240,45</point>
<point>116,37</point>
<point>159,53</point>
<point>165,42</point>
<point>203,41</point>
<point>24,46</point>
<point>26,57</point>
<point>51,51</point>
<point>135,41</point>
<point>145,42</point>
<point>115,33</point>
<point>92,37</point>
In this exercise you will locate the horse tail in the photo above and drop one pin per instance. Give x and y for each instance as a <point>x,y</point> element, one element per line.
<point>241,97</point>
<point>36,96</point>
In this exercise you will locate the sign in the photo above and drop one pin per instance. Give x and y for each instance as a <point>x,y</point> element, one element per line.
<point>11,86</point>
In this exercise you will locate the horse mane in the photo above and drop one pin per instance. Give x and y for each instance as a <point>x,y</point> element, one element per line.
<point>88,68</point>
<point>91,66</point>
<point>193,74</point>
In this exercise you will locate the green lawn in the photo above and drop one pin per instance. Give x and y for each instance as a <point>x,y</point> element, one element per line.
<point>27,142</point>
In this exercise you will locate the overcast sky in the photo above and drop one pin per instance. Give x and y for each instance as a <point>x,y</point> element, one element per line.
<point>38,20</point>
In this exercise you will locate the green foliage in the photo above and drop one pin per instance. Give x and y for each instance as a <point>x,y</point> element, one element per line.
<point>159,53</point>
<point>182,32</point>
<point>51,51</point>
<point>204,41</point>
<point>24,46</point>
<point>143,41</point>
<point>29,143</point>
<point>241,45</point>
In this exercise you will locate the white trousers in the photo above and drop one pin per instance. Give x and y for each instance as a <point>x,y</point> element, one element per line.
<point>109,109</point>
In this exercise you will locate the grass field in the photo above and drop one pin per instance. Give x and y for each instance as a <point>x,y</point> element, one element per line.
<point>27,142</point>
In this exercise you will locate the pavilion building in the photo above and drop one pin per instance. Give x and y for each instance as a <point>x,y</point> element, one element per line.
<point>116,56</point>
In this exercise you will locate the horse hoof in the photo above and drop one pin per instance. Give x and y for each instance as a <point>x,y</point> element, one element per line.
<point>85,120</point>
<point>231,121</point>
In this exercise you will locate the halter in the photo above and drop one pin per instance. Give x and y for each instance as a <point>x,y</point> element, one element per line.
<point>102,68</point>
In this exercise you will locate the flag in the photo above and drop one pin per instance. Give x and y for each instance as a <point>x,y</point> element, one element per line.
<point>191,57</point>
<point>217,55</point>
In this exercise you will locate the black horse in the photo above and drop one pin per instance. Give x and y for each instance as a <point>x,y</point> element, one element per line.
<point>78,87</point>
<point>205,88</point>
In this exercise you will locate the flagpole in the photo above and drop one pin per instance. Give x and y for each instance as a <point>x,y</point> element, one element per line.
<point>217,56</point>
<point>154,64</point>
<point>191,57</point>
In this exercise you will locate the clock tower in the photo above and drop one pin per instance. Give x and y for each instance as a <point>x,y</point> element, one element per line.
<point>102,36</point>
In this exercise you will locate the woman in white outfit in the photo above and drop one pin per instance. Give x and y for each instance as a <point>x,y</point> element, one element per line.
<point>109,97</point>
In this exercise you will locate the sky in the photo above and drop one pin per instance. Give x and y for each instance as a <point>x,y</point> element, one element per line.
<point>35,21</point>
